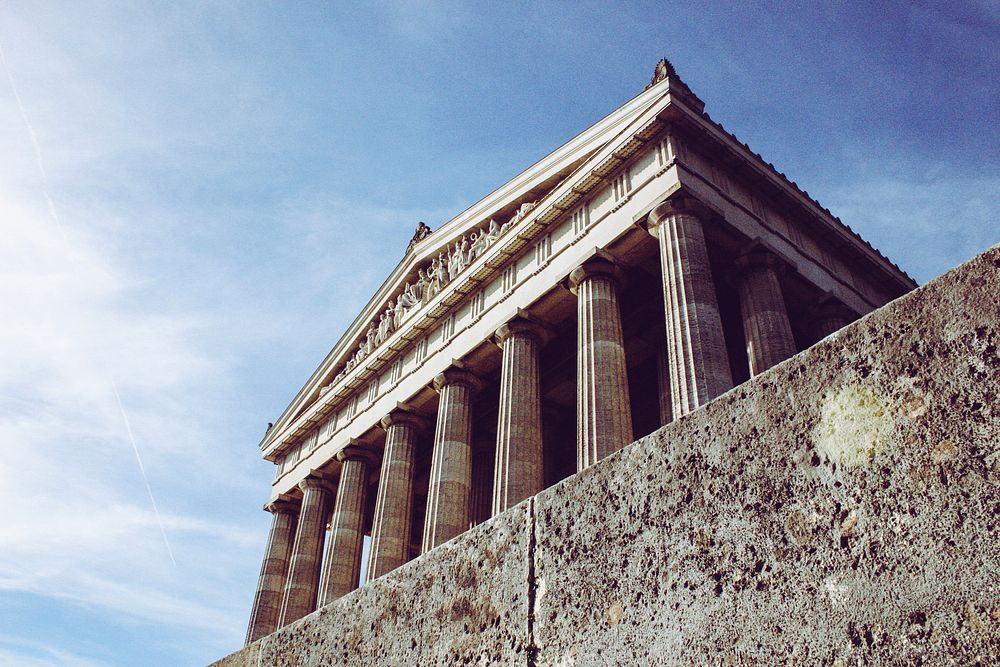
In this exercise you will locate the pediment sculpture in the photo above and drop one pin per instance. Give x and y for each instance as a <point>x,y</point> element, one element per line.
<point>431,279</point>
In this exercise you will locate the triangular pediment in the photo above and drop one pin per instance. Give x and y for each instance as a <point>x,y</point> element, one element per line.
<point>499,217</point>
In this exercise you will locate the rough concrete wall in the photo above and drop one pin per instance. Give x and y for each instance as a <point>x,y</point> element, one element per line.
<point>839,509</point>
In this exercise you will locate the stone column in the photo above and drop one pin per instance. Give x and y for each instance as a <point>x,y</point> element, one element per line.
<point>390,545</point>
<point>766,327</point>
<point>342,564</point>
<point>273,572</point>
<point>519,469</point>
<point>829,316</point>
<point>696,347</point>
<point>451,464</point>
<point>603,415</point>
<point>663,385</point>
<point>307,551</point>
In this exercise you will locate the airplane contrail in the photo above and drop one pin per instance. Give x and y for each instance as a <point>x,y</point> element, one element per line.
<point>34,141</point>
<point>62,231</point>
<point>142,469</point>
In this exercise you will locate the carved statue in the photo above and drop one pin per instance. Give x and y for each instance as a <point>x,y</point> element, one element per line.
<point>441,273</point>
<point>457,261</point>
<point>390,318</point>
<point>406,299</point>
<point>383,328</point>
<point>419,235</point>
<point>423,282</point>
<point>479,244</point>
<point>370,336</point>
<point>494,232</point>
<point>397,313</point>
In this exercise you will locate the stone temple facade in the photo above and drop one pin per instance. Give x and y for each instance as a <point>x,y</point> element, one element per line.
<point>644,268</point>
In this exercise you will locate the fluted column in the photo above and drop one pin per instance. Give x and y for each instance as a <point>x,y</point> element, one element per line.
<point>451,464</point>
<point>829,316</point>
<point>342,564</point>
<point>696,346</point>
<point>604,418</point>
<point>519,469</point>
<point>307,551</point>
<point>766,327</point>
<point>390,545</point>
<point>274,571</point>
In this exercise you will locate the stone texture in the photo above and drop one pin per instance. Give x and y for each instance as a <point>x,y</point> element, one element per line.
<point>766,328</point>
<point>273,571</point>
<point>342,565</point>
<point>839,509</point>
<point>603,412</point>
<point>451,467</point>
<point>519,468</point>
<point>390,545</point>
<point>307,551</point>
<point>464,603</point>
<point>699,365</point>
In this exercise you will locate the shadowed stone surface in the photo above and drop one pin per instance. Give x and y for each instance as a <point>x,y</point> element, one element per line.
<point>463,603</point>
<point>839,509</point>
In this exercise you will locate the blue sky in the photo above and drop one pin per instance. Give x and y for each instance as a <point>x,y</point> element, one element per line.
<point>229,182</point>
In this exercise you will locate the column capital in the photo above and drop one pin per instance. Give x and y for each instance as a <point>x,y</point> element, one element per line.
<point>829,305</point>
<point>355,451</point>
<point>675,206</point>
<point>403,415</point>
<point>282,507</point>
<point>598,265</point>
<point>756,256</point>
<point>315,481</point>
<point>522,325</point>
<point>456,375</point>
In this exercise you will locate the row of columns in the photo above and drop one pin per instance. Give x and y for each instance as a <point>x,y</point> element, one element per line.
<point>694,369</point>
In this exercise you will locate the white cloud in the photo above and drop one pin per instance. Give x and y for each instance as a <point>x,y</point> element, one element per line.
<point>927,223</point>
<point>17,652</point>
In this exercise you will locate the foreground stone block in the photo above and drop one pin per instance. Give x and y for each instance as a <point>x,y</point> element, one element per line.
<point>840,509</point>
<point>464,603</point>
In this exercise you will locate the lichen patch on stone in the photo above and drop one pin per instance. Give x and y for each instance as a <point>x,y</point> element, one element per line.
<point>854,426</point>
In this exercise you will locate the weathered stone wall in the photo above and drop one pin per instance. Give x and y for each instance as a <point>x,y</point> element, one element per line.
<point>839,509</point>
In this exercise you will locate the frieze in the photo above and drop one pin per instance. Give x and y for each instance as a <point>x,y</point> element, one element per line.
<point>432,278</point>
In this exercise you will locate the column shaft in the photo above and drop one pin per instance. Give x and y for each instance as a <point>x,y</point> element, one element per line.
<point>273,572</point>
<point>765,319</point>
<point>390,546</point>
<point>663,385</point>
<point>604,418</point>
<point>518,473</point>
<point>342,565</point>
<point>830,316</point>
<point>451,464</point>
<point>696,346</point>
<point>307,551</point>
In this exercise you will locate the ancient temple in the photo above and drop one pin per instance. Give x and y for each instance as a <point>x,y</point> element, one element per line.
<point>645,267</point>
